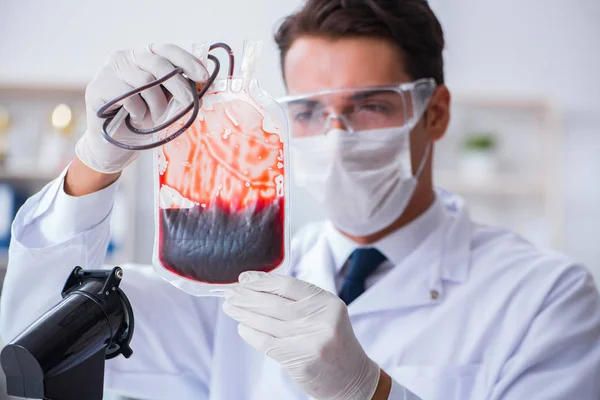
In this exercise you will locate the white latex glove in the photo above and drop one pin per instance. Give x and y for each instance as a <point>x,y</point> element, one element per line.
<point>307,330</point>
<point>125,71</point>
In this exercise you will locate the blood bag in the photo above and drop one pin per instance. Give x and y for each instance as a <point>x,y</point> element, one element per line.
<point>221,187</point>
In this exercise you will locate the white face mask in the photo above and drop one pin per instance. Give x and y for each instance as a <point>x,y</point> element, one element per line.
<point>363,179</point>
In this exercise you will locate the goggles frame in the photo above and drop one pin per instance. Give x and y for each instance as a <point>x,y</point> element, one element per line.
<point>419,91</point>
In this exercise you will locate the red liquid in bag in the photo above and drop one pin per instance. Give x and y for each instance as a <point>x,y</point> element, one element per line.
<point>231,169</point>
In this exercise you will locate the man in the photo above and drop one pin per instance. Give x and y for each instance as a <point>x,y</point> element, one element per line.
<point>397,296</point>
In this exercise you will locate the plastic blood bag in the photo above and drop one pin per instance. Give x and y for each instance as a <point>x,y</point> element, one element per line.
<point>221,187</point>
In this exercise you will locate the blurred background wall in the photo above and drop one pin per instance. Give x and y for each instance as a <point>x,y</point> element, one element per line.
<point>547,48</point>
<point>534,54</point>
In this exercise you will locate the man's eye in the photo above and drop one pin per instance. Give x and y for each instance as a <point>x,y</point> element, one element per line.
<point>303,116</point>
<point>307,114</point>
<point>374,107</point>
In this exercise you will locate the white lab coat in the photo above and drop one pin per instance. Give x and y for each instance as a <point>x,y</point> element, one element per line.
<point>481,314</point>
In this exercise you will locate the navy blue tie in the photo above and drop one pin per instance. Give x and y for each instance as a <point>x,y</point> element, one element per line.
<point>363,262</point>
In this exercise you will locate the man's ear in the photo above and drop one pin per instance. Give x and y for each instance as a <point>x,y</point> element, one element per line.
<point>438,113</point>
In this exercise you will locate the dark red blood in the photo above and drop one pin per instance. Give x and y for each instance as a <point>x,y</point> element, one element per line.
<point>214,245</point>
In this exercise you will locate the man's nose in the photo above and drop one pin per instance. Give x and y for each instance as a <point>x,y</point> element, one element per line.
<point>336,122</point>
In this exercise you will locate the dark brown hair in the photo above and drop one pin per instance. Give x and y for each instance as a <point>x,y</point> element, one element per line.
<point>410,24</point>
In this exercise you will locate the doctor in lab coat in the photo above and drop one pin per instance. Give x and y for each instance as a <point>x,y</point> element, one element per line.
<point>397,295</point>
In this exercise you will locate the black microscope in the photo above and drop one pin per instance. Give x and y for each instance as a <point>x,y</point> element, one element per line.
<point>61,356</point>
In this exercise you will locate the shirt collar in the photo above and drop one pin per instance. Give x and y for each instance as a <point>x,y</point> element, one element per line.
<point>397,245</point>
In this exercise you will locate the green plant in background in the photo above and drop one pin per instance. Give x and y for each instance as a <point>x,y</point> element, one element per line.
<point>480,142</point>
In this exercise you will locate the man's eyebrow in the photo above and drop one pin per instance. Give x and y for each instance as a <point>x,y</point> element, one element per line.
<point>304,102</point>
<point>357,96</point>
<point>370,93</point>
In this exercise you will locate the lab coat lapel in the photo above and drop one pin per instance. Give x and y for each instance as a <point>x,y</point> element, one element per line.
<point>456,256</point>
<point>418,281</point>
<point>412,283</point>
<point>317,266</point>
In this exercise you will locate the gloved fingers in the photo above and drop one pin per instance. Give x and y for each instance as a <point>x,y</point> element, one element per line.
<point>262,323</point>
<point>107,86</point>
<point>191,66</point>
<point>282,285</point>
<point>159,66</point>
<point>275,306</point>
<point>261,341</point>
<point>131,73</point>
<point>315,305</point>
<point>262,303</point>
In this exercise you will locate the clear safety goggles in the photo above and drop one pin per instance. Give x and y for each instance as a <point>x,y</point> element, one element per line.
<point>361,108</point>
